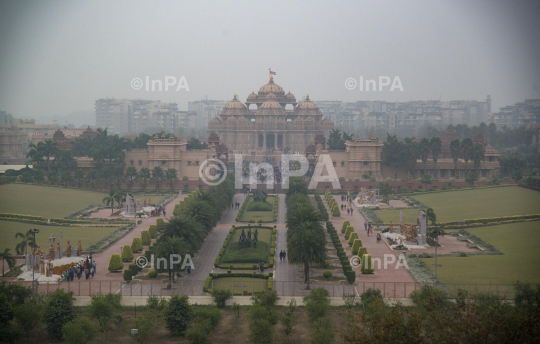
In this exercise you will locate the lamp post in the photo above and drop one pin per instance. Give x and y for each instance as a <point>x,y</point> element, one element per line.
<point>34,232</point>
<point>134,332</point>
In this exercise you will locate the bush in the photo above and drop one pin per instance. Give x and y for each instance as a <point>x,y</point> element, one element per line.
<point>134,269</point>
<point>352,237</point>
<point>27,315</point>
<point>344,226</point>
<point>153,231</point>
<point>127,254</point>
<point>145,238</point>
<point>16,294</point>
<point>429,297</point>
<point>6,311</point>
<point>335,212</point>
<point>220,296</point>
<point>266,298</point>
<point>152,274</point>
<point>207,318</point>
<point>128,275</point>
<point>136,245</point>
<point>370,296</point>
<point>260,206</point>
<point>526,295</point>
<point>178,314</point>
<point>144,323</point>
<point>59,310</point>
<point>79,331</point>
<point>261,324</point>
<point>160,222</point>
<point>367,264</point>
<point>350,229</point>
<point>197,335</point>
<point>327,274</point>
<point>323,331</point>
<point>317,304</point>
<point>357,243</point>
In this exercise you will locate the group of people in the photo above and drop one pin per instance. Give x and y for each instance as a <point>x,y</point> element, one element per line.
<point>235,205</point>
<point>282,255</point>
<point>88,267</point>
<point>368,226</point>
<point>261,267</point>
<point>348,207</point>
<point>158,211</point>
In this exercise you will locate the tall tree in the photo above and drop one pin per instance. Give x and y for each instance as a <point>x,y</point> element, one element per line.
<point>412,153</point>
<point>424,148</point>
<point>157,176</point>
<point>466,148</point>
<point>118,172</point>
<point>436,145</point>
<point>166,248</point>
<point>185,227</point>
<point>109,200</point>
<point>394,153</point>
<point>477,156</point>
<point>8,257</point>
<point>455,151</point>
<point>171,177</point>
<point>66,177</point>
<point>79,175</point>
<point>92,176</point>
<point>48,148</point>
<point>131,174</point>
<point>144,174</point>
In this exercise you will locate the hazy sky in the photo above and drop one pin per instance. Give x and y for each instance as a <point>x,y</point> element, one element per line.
<point>58,57</point>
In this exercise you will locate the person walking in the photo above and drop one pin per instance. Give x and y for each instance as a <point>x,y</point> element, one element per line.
<point>284,254</point>
<point>351,211</point>
<point>365,226</point>
<point>94,265</point>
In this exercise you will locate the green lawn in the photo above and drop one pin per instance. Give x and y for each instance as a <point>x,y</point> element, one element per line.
<point>472,204</point>
<point>265,216</point>
<point>240,283</point>
<point>87,235</point>
<point>520,261</point>
<point>241,258</point>
<point>47,201</point>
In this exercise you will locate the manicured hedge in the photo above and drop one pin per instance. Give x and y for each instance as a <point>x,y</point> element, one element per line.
<point>348,232</point>
<point>145,238</point>
<point>344,226</point>
<point>136,245</point>
<point>127,254</point>
<point>367,264</point>
<point>340,252</point>
<point>208,282</point>
<point>153,231</point>
<point>115,263</point>
<point>352,237</point>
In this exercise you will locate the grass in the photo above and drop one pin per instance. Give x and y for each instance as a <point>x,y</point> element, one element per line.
<point>237,283</point>
<point>87,235</point>
<point>47,201</point>
<point>520,261</point>
<point>265,216</point>
<point>471,204</point>
<point>247,257</point>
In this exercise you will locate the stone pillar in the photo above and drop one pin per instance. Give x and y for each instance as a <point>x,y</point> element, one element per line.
<point>61,241</point>
<point>421,235</point>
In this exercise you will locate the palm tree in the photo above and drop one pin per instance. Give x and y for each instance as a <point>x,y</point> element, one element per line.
<point>424,151</point>
<point>436,145</point>
<point>455,150</point>
<point>131,174</point>
<point>109,200</point>
<point>79,175</point>
<point>35,153</point>
<point>157,176</point>
<point>306,245</point>
<point>186,228</point>
<point>144,174</point>
<point>119,196</point>
<point>466,147</point>
<point>477,156</point>
<point>27,240</point>
<point>431,216</point>
<point>48,148</point>
<point>8,258</point>
<point>168,247</point>
<point>171,177</point>
<point>202,212</point>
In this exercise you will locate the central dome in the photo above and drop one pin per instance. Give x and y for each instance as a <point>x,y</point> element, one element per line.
<point>271,87</point>
<point>270,107</point>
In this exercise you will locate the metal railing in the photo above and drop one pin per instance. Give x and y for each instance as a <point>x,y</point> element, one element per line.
<point>242,287</point>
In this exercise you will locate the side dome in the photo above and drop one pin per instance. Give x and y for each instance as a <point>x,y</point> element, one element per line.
<point>271,87</point>
<point>252,96</point>
<point>308,108</point>
<point>234,108</point>
<point>291,98</point>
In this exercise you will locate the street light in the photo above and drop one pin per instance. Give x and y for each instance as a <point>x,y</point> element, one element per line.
<point>34,232</point>
<point>134,332</point>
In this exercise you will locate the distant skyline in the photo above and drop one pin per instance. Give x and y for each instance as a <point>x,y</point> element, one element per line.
<point>58,57</point>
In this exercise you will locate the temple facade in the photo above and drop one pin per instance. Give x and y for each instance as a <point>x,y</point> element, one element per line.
<point>269,120</point>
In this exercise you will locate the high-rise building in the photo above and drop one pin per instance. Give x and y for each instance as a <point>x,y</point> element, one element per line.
<point>206,110</point>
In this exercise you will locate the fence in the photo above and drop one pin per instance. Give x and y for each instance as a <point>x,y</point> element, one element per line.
<point>243,287</point>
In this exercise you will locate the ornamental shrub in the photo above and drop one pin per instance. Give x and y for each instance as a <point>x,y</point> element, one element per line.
<point>357,243</point>
<point>178,314</point>
<point>145,238</point>
<point>153,231</point>
<point>134,269</point>
<point>361,251</point>
<point>152,274</point>
<point>128,275</point>
<point>327,274</point>
<point>220,296</point>
<point>127,253</point>
<point>367,264</point>
<point>79,331</point>
<point>160,222</point>
<point>335,212</point>
<point>352,237</point>
<point>115,263</point>
<point>348,232</point>
<point>136,245</point>
<point>344,226</point>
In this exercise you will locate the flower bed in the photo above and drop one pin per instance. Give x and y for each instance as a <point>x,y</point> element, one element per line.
<point>60,269</point>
